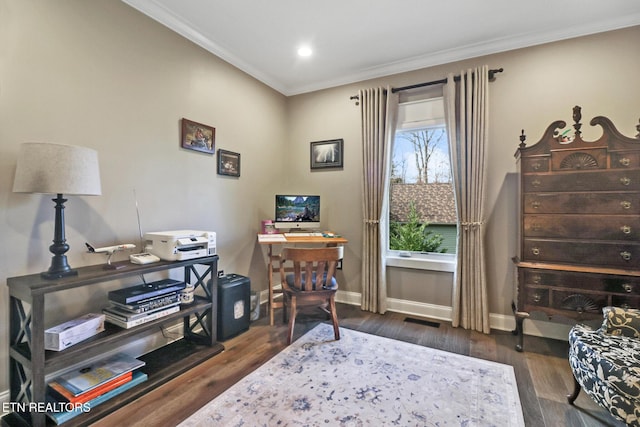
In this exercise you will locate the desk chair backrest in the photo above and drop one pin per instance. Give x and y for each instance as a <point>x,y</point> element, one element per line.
<point>312,262</point>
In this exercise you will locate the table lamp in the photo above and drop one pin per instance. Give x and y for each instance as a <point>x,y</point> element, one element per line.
<point>57,169</point>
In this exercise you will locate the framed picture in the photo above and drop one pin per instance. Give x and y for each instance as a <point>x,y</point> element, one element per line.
<point>326,154</point>
<point>197,136</point>
<point>228,163</point>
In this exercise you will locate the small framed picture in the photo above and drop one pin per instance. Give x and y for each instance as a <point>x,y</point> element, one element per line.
<point>228,163</point>
<point>326,154</point>
<point>197,136</point>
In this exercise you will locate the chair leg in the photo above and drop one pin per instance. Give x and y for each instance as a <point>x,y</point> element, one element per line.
<point>285,303</point>
<point>576,391</point>
<point>292,319</point>
<point>334,318</point>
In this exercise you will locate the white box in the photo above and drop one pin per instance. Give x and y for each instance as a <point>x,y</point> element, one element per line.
<point>72,332</point>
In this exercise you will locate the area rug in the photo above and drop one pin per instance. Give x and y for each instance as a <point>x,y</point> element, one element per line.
<point>367,380</point>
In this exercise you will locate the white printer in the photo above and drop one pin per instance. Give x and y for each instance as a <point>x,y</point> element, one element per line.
<point>180,245</point>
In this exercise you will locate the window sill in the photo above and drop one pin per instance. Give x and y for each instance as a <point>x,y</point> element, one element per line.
<point>433,262</point>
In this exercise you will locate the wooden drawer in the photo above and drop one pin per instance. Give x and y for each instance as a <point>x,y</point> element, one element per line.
<point>594,253</point>
<point>625,301</point>
<point>535,164</point>
<point>622,160</point>
<point>581,281</point>
<point>621,203</point>
<point>600,227</point>
<point>581,304</point>
<point>597,180</point>
<point>538,296</point>
<point>574,304</point>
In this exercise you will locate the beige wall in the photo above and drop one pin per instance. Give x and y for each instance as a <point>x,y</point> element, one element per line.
<point>101,75</point>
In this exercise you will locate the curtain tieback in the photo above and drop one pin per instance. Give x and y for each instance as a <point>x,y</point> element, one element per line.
<point>473,225</point>
<point>371,221</point>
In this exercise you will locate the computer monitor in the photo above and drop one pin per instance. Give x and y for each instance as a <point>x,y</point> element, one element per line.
<point>294,211</point>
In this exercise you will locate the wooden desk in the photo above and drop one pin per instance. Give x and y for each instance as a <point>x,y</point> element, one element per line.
<point>275,295</point>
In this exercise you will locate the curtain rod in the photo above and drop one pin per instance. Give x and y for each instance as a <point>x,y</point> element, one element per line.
<point>492,76</point>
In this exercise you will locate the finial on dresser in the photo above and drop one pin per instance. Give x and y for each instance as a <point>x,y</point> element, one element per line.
<point>523,137</point>
<point>577,116</point>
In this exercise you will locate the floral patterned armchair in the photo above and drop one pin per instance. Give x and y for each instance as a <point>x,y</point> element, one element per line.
<point>606,363</point>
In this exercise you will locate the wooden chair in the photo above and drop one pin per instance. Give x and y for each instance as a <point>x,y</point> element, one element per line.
<point>311,263</point>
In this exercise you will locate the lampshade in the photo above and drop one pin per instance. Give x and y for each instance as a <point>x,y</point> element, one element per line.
<point>57,169</point>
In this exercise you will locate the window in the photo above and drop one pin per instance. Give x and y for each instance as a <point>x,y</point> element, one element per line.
<point>422,214</point>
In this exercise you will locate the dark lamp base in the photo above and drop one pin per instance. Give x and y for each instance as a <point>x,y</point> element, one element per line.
<point>59,267</point>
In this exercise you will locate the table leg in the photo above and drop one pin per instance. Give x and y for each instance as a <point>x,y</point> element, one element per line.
<point>270,308</point>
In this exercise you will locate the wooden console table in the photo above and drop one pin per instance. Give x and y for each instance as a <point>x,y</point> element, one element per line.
<point>29,362</point>
<point>275,294</point>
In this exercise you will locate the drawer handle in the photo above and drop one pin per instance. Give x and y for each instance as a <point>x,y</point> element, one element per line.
<point>627,287</point>
<point>536,251</point>
<point>537,297</point>
<point>626,229</point>
<point>625,204</point>
<point>626,255</point>
<point>535,204</point>
<point>536,227</point>
<point>625,161</point>
<point>535,183</point>
<point>537,279</point>
<point>537,165</point>
<point>625,181</point>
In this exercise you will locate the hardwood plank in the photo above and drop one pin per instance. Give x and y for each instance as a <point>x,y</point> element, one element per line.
<point>552,378</point>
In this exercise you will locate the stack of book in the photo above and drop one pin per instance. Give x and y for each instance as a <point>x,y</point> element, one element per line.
<point>81,389</point>
<point>143,303</point>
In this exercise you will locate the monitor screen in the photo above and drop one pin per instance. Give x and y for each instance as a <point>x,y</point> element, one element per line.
<point>294,209</point>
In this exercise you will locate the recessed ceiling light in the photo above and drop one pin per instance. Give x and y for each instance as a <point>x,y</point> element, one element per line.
<point>305,51</point>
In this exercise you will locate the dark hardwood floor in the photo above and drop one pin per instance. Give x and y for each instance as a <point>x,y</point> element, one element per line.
<point>542,371</point>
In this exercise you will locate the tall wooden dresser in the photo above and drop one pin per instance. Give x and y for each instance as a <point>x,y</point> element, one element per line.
<point>579,237</point>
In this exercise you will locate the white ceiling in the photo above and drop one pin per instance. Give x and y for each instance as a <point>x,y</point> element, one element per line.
<point>354,40</point>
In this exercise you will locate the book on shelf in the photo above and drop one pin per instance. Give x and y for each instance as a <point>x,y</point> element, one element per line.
<point>78,409</point>
<point>149,303</point>
<point>126,316</point>
<point>61,394</point>
<point>83,379</point>
<point>147,318</point>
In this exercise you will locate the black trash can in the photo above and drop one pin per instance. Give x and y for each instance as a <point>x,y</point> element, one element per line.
<point>234,304</point>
